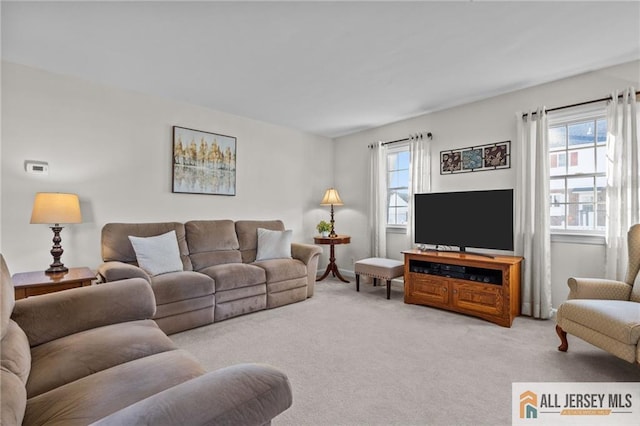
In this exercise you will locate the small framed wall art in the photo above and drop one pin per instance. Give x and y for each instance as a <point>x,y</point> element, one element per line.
<point>476,158</point>
<point>203,162</point>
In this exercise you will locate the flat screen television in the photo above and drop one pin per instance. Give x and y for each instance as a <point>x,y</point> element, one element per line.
<point>478,219</point>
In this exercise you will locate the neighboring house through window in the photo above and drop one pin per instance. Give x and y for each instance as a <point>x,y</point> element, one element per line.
<point>398,160</point>
<point>578,179</point>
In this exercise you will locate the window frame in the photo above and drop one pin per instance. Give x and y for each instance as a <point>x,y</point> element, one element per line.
<point>395,149</point>
<point>568,117</point>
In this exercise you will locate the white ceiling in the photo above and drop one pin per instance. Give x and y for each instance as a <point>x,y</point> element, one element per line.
<point>329,68</point>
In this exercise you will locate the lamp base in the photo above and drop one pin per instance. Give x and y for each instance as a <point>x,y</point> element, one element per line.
<point>56,269</point>
<point>56,252</point>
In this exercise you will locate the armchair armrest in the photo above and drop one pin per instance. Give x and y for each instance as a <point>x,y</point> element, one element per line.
<point>598,288</point>
<point>244,394</point>
<point>51,316</point>
<point>115,271</point>
<point>309,254</point>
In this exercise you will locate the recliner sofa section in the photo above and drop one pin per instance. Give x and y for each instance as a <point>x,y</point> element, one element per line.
<point>92,355</point>
<point>221,277</point>
<point>184,299</point>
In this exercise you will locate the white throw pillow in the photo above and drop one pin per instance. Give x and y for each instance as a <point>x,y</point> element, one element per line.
<point>274,244</point>
<point>157,255</point>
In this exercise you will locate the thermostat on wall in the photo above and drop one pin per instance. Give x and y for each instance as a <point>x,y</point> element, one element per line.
<point>37,167</point>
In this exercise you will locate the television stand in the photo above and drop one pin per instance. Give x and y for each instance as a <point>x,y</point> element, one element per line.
<point>485,287</point>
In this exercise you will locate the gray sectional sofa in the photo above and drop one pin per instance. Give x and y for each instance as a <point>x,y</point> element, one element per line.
<point>92,355</point>
<point>219,277</point>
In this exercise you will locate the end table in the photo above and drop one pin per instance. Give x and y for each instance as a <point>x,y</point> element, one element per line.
<point>332,267</point>
<point>38,282</point>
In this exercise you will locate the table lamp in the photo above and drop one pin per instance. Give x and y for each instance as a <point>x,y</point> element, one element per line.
<point>56,208</point>
<point>331,198</point>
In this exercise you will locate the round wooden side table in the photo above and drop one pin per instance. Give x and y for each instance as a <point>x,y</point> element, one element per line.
<point>332,242</point>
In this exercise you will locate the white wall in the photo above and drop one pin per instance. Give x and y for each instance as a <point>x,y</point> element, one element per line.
<point>113,148</point>
<point>491,120</point>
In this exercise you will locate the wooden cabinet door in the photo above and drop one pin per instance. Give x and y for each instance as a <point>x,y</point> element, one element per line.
<point>486,299</point>
<point>427,289</point>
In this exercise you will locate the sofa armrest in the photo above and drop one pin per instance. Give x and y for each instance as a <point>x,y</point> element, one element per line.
<point>115,271</point>
<point>598,288</point>
<point>51,316</point>
<point>244,394</point>
<point>309,254</point>
<point>305,252</point>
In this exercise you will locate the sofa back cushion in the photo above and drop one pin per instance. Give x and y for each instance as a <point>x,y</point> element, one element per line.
<point>15,352</point>
<point>247,231</point>
<point>13,401</point>
<point>117,247</point>
<point>15,355</point>
<point>212,242</point>
<point>7,296</point>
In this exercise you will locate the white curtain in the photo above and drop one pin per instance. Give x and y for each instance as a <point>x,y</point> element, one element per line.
<point>623,193</point>
<point>378,199</point>
<point>420,174</point>
<point>532,234</point>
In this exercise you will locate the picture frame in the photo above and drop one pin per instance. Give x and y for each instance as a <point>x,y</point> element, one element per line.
<point>203,162</point>
<point>491,156</point>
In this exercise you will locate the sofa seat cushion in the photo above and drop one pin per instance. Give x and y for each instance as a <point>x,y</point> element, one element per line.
<point>235,275</point>
<point>282,269</point>
<point>618,319</point>
<point>70,358</point>
<point>93,397</point>
<point>176,286</point>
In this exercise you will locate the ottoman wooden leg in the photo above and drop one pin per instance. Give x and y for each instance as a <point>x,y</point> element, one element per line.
<point>388,289</point>
<point>357,282</point>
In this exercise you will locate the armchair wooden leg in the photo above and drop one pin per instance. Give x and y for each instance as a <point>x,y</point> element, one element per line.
<point>564,345</point>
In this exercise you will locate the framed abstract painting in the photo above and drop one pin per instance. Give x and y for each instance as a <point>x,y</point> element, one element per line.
<point>203,162</point>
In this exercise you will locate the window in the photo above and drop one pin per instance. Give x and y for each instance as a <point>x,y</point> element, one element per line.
<point>398,159</point>
<point>577,166</point>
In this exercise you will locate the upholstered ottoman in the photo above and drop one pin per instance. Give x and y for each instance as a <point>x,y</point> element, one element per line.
<point>379,269</point>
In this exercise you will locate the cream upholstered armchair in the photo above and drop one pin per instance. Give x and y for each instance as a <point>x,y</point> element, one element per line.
<point>606,313</point>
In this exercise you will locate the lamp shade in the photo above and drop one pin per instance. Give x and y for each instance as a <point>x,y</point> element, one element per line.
<point>55,207</point>
<point>331,197</point>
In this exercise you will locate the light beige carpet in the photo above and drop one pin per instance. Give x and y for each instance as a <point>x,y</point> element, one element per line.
<point>360,359</point>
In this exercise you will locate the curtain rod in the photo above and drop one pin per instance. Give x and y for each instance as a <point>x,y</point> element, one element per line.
<point>429,135</point>
<point>608,98</point>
